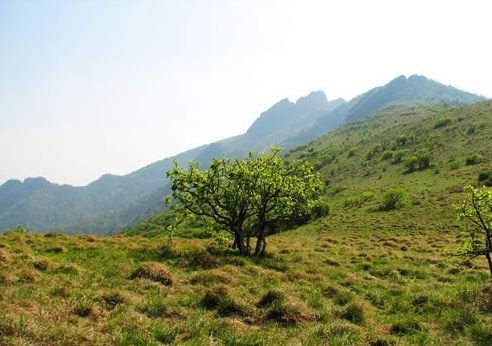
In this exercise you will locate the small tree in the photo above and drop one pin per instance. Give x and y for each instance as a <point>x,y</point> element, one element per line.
<point>477,211</point>
<point>411,163</point>
<point>217,193</point>
<point>246,196</point>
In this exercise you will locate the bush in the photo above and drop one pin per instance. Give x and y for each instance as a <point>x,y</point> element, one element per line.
<point>322,209</point>
<point>373,151</point>
<point>401,140</point>
<point>388,155</point>
<point>358,201</point>
<point>474,159</point>
<point>393,199</point>
<point>485,178</point>
<point>411,164</point>
<point>419,161</point>
<point>442,123</point>
<point>398,156</point>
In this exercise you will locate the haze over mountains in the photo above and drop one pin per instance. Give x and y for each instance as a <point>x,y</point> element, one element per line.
<point>113,202</point>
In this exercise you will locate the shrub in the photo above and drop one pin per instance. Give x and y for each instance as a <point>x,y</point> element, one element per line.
<point>401,140</point>
<point>373,151</point>
<point>153,271</point>
<point>321,209</point>
<point>388,155</point>
<point>411,163</point>
<point>423,159</point>
<point>352,152</point>
<point>473,159</point>
<point>398,156</point>
<point>442,123</point>
<point>359,200</point>
<point>485,178</point>
<point>393,199</point>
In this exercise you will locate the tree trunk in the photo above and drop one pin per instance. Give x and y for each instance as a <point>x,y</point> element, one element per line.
<point>489,260</point>
<point>260,243</point>
<point>248,245</point>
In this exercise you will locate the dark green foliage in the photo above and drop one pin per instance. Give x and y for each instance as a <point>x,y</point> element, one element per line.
<point>393,199</point>
<point>411,163</point>
<point>320,210</point>
<point>420,161</point>
<point>476,211</point>
<point>442,123</point>
<point>388,155</point>
<point>485,178</point>
<point>373,151</point>
<point>398,156</point>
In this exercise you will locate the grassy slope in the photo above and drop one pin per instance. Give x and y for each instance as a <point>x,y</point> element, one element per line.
<point>357,277</point>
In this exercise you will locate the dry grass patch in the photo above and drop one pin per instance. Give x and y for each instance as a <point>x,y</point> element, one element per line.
<point>5,257</point>
<point>43,264</point>
<point>29,275</point>
<point>153,271</point>
<point>209,277</point>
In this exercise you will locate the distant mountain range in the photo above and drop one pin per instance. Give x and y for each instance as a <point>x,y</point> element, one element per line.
<point>113,202</point>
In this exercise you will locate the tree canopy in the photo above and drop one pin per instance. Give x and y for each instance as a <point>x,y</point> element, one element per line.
<point>246,196</point>
<point>477,211</point>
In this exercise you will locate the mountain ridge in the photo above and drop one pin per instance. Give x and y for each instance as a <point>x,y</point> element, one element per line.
<point>117,200</point>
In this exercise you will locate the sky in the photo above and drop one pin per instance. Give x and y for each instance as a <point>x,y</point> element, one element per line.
<point>94,87</point>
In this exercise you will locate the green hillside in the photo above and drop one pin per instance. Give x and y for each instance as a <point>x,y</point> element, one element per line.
<point>360,276</point>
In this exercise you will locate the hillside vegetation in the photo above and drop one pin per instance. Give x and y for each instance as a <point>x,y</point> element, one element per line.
<point>373,272</point>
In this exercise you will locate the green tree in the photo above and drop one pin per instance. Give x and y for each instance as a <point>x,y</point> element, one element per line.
<point>245,197</point>
<point>411,163</point>
<point>476,210</point>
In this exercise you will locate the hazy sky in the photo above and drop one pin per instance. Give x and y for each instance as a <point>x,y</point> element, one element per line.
<point>94,87</point>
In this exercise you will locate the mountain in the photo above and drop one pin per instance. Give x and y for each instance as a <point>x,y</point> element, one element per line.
<point>401,90</point>
<point>113,202</point>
